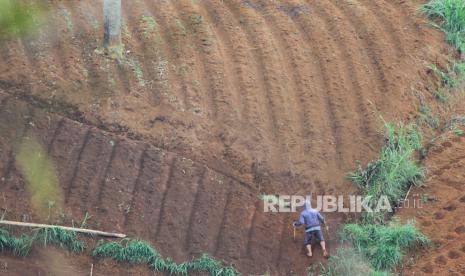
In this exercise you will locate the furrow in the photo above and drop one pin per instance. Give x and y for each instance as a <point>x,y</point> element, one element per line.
<point>336,100</point>
<point>103,181</point>
<point>142,36</point>
<point>220,236</point>
<point>353,15</point>
<point>136,188</point>
<point>149,194</point>
<point>70,186</point>
<point>168,185</point>
<point>348,48</point>
<point>55,134</point>
<point>314,132</point>
<point>188,62</point>
<point>177,209</point>
<point>66,150</point>
<point>194,209</point>
<point>269,76</point>
<point>257,122</point>
<point>116,194</point>
<point>237,224</point>
<point>228,58</point>
<point>208,216</point>
<point>210,49</point>
<point>92,169</point>
<point>388,26</point>
<point>86,42</point>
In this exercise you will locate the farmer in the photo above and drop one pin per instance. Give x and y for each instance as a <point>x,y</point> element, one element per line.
<point>312,218</point>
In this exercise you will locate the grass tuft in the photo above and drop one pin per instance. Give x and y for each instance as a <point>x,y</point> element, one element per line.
<point>140,252</point>
<point>394,171</point>
<point>449,16</point>
<point>383,245</point>
<point>18,246</point>
<point>347,261</point>
<point>60,237</point>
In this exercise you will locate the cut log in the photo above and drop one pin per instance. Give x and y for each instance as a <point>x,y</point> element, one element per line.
<point>80,230</point>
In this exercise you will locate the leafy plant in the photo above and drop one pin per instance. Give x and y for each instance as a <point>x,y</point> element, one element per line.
<point>383,245</point>
<point>394,171</point>
<point>347,261</point>
<point>60,237</point>
<point>18,246</point>
<point>449,16</point>
<point>140,252</point>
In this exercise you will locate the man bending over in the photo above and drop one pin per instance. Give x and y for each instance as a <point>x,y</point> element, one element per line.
<point>311,219</point>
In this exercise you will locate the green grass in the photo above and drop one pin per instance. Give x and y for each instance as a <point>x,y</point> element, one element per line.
<point>384,245</point>
<point>141,252</point>
<point>379,245</point>
<point>59,237</point>
<point>451,77</point>
<point>347,261</point>
<point>394,171</point>
<point>18,246</point>
<point>449,16</point>
<point>125,251</point>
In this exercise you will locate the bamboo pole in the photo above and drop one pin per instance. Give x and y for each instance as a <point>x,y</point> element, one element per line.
<point>80,230</point>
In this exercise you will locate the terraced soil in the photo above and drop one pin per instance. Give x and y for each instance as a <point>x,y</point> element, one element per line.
<point>213,100</point>
<point>441,214</point>
<point>183,207</point>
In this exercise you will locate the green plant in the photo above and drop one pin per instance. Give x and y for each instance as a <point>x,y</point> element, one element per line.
<point>425,116</point>
<point>18,246</point>
<point>140,252</point>
<point>60,237</point>
<point>383,245</point>
<point>394,171</point>
<point>457,131</point>
<point>347,261</point>
<point>451,77</point>
<point>440,95</point>
<point>449,16</point>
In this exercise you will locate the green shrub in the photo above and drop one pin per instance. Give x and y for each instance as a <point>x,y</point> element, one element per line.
<point>140,252</point>
<point>60,237</point>
<point>383,245</point>
<point>347,261</point>
<point>394,171</point>
<point>449,16</point>
<point>18,246</point>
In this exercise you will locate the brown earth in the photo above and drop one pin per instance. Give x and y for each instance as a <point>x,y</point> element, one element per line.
<point>214,103</point>
<point>441,211</point>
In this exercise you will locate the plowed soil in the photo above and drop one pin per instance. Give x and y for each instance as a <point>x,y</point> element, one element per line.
<point>214,103</point>
<point>440,217</point>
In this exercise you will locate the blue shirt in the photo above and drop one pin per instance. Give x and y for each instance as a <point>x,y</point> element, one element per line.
<point>311,218</point>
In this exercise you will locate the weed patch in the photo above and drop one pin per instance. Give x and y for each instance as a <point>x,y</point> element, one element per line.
<point>347,261</point>
<point>140,252</point>
<point>58,237</point>
<point>394,171</point>
<point>378,246</point>
<point>383,245</point>
<point>449,16</point>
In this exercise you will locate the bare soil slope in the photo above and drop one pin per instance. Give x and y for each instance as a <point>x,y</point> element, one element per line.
<point>213,100</point>
<point>443,208</point>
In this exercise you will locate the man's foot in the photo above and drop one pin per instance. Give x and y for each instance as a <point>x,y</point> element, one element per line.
<point>325,254</point>
<point>309,254</point>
